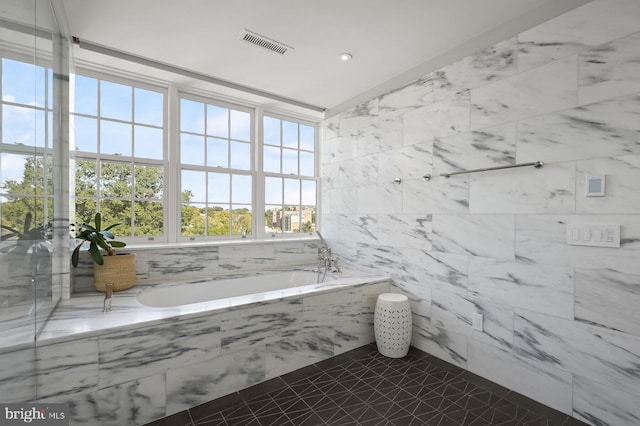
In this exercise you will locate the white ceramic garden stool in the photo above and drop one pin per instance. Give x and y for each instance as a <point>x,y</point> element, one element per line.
<point>392,325</point>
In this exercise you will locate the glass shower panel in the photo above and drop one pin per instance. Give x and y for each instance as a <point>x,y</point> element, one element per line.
<point>27,162</point>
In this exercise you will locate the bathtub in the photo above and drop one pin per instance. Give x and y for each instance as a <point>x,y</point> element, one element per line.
<point>165,348</point>
<point>165,296</point>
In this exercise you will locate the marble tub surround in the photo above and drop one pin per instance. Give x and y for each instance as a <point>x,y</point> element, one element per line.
<point>563,317</point>
<point>161,264</point>
<point>136,364</point>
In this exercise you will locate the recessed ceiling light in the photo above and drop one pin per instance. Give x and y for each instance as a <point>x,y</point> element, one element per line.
<point>345,56</point>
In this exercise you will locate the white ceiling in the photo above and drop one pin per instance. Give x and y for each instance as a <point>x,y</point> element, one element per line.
<point>392,41</point>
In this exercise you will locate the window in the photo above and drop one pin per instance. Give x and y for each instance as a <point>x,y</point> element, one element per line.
<point>216,169</point>
<point>289,164</point>
<point>26,193</point>
<point>119,144</point>
<point>211,177</point>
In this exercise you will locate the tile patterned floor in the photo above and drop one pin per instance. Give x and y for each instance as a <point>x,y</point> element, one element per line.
<point>362,387</point>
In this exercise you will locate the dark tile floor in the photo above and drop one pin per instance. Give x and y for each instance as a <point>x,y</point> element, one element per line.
<point>362,387</point>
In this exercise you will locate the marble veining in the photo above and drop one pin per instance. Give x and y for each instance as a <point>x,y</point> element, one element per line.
<point>541,288</point>
<point>548,88</point>
<point>599,292</point>
<point>610,70</point>
<point>404,230</point>
<point>490,147</point>
<point>602,129</point>
<point>475,235</point>
<point>547,384</point>
<point>607,356</point>
<point>409,162</point>
<point>381,135</point>
<point>439,195</point>
<point>446,117</point>
<point>436,270</point>
<point>589,25</point>
<point>550,189</point>
<point>409,97</point>
<point>487,65</point>
<point>599,404</point>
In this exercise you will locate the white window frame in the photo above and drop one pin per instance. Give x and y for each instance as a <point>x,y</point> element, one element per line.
<point>179,166</point>
<point>262,175</point>
<point>164,162</point>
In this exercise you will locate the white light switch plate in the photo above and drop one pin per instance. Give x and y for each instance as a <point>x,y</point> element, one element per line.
<point>593,234</point>
<point>476,321</point>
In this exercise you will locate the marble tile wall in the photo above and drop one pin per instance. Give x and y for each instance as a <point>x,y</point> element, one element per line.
<point>561,322</point>
<point>161,265</point>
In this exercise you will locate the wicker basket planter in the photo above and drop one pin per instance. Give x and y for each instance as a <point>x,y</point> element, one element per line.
<point>119,270</point>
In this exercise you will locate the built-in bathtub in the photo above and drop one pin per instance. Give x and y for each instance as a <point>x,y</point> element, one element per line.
<point>171,295</point>
<point>138,363</point>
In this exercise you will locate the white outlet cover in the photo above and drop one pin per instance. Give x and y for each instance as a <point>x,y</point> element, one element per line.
<point>476,321</point>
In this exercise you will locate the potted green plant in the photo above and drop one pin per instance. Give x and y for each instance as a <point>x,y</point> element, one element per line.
<point>118,270</point>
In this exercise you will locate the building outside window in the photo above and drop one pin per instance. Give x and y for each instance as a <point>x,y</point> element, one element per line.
<point>289,164</point>
<point>216,164</point>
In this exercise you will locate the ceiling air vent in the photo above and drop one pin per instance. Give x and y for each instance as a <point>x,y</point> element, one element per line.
<point>264,42</point>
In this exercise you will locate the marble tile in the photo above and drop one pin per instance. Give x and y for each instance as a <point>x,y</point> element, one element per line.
<point>493,63</point>
<point>352,335</point>
<point>330,176</point>
<point>65,371</point>
<point>419,295</point>
<point>541,288</point>
<point>589,25</point>
<point>384,198</point>
<point>410,162</point>
<point>444,118</point>
<point>606,356</point>
<point>598,404</point>
<point>17,376</point>
<point>183,262</point>
<point>610,70</point>
<point>490,147</point>
<point>298,351</point>
<point>406,98</point>
<point>543,239</point>
<point>357,117</point>
<point>341,201</point>
<point>295,254</point>
<point>526,190</point>
<point>622,176</point>
<point>546,384</point>
<point>452,311</point>
<point>145,351</point>
<point>254,326</point>
<point>381,135</point>
<point>603,129</point>
<point>441,343</point>
<point>195,384</point>
<point>248,256</point>
<point>439,195</point>
<point>548,88</point>
<point>475,235</point>
<point>133,403</point>
<point>330,310</point>
<point>403,230</point>
<point>359,229</point>
<point>330,128</point>
<point>436,270</point>
<point>382,259</point>
<point>608,298</point>
<point>359,171</point>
